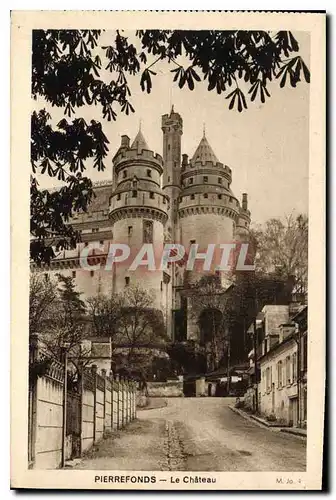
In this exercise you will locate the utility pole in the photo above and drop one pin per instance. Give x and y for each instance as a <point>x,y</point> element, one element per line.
<point>255,347</point>
<point>65,390</point>
<point>298,370</point>
<point>228,365</point>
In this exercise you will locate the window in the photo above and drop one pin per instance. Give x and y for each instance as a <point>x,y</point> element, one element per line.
<point>288,370</point>
<point>263,378</point>
<point>304,404</point>
<point>230,199</point>
<point>205,178</point>
<point>294,367</point>
<point>95,229</point>
<point>149,172</point>
<point>268,378</point>
<point>161,286</point>
<point>147,231</point>
<point>220,180</point>
<point>74,274</point>
<point>130,230</point>
<point>124,174</point>
<point>118,196</point>
<point>127,280</point>
<point>164,200</point>
<point>151,195</point>
<point>191,180</point>
<point>279,374</point>
<point>134,184</point>
<point>219,196</point>
<point>205,195</point>
<point>168,147</point>
<point>168,179</point>
<point>91,274</point>
<point>192,196</point>
<point>304,353</point>
<point>134,194</point>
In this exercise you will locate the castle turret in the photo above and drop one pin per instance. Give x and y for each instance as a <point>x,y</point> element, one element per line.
<point>138,212</point>
<point>243,222</point>
<point>172,128</point>
<point>208,210</point>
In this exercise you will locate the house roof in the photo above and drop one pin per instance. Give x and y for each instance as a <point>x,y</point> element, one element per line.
<point>139,142</point>
<point>204,152</point>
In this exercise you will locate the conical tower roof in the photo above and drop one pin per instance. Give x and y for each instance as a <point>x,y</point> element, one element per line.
<point>139,142</point>
<point>204,152</point>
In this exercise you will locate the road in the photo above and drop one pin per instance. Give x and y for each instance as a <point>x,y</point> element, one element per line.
<point>198,434</point>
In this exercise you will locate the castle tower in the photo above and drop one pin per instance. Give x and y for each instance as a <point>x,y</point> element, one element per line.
<point>172,128</point>
<point>208,210</point>
<point>138,212</point>
<point>244,220</point>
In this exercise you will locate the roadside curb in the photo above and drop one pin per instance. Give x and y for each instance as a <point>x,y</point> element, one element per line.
<point>266,424</point>
<point>261,423</point>
<point>247,417</point>
<point>295,432</point>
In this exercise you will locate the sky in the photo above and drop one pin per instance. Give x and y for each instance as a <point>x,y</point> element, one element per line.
<point>266,146</point>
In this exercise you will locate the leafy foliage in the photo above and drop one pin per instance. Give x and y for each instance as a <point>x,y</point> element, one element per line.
<point>72,69</point>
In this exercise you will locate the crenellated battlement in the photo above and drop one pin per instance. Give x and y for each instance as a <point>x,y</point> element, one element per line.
<point>173,119</point>
<point>208,210</point>
<point>126,155</point>
<point>197,165</point>
<point>143,198</point>
<point>211,200</point>
<point>138,211</point>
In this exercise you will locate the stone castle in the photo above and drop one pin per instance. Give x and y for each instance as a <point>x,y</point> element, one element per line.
<point>157,199</point>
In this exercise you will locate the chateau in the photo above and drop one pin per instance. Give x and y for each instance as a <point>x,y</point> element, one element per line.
<point>155,198</point>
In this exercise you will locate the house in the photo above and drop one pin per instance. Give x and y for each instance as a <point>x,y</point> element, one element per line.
<point>277,386</point>
<point>283,367</point>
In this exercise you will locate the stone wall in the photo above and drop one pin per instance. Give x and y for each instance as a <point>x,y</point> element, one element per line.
<point>169,389</point>
<point>61,428</point>
<point>49,423</point>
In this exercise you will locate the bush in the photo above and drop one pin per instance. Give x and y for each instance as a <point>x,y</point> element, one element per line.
<point>271,418</point>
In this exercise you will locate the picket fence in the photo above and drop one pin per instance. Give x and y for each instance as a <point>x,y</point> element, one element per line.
<point>64,423</point>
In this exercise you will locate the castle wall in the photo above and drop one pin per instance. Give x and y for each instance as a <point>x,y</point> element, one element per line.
<point>131,232</point>
<point>195,203</point>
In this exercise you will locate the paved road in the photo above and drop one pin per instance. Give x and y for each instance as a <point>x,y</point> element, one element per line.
<point>199,434</point>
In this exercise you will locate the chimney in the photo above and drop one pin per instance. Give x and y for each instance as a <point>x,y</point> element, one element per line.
<point>244,201</point>
<point>184,160</point>
<point>125,141</point>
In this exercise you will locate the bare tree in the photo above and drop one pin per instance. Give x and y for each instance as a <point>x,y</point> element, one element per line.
<point>42,296</point>
<point>139,324</point>
<point>103,313</point>
<point>209,306</point>
<point>282,248</point>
